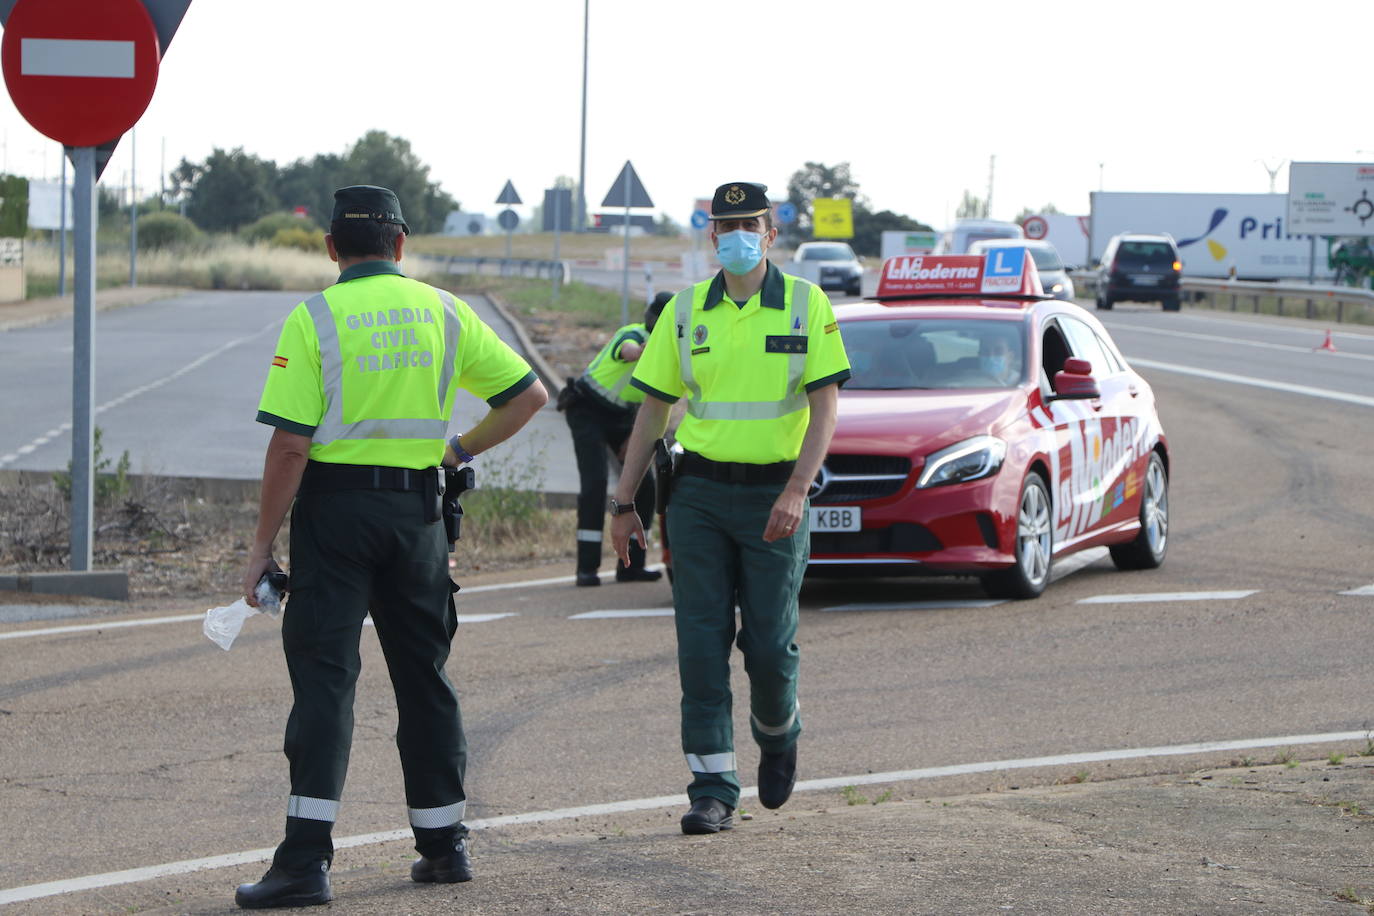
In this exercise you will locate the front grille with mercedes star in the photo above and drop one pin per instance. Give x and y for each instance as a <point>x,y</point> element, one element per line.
<point>854,478</point>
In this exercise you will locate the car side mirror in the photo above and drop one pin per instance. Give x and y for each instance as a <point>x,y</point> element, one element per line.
<point>1075,381</point>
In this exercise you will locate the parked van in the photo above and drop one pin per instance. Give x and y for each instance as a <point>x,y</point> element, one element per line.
<point>968,231</point>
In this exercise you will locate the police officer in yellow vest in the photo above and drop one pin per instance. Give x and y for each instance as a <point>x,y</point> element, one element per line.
<point>759,358</point>
<point>600,409</point>
<point>360,393</point>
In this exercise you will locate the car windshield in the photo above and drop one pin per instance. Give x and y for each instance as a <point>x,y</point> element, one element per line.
<point>827,253</point>
<point>906,353</point>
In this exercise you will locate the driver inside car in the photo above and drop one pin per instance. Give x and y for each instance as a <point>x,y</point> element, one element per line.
<point>998,360</point>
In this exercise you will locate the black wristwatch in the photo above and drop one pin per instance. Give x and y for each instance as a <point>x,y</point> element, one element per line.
<point>618,509</point>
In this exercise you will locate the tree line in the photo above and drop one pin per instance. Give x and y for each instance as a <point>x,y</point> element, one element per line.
<point>816,179</point>
<point>232,188</point>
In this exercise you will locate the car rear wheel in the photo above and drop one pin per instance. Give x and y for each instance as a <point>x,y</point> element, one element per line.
<point>1034,547</point>
<point>1104,303</point>
<point>1148,549</point>
<point>1171,304</point>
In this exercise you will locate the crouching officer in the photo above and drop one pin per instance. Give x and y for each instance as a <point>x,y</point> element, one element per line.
<point>359,393</point>
<point>759,357</point>
<point>600,408</point>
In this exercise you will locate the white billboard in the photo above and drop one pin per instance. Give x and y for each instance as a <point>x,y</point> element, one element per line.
<point>1331,198</point>
<point>45,205</point>
<point>1218,235</point>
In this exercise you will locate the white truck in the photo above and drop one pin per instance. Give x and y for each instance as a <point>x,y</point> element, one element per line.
<point>1218,235</point>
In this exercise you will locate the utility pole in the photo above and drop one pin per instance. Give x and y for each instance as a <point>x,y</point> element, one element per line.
<point>581,213</point>
<point>992,170</point>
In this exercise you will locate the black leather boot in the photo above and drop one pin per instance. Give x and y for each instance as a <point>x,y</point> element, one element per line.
<point>280,887</point>
<point>708,815</point>
<point>452,868</point>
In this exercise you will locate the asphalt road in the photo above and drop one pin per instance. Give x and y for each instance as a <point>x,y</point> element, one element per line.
<point>148,744</point>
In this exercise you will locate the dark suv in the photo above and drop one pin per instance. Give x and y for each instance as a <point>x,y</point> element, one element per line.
<point>1139,268</point>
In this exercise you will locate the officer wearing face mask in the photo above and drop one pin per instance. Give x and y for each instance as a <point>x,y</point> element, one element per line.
<point>759,358</point>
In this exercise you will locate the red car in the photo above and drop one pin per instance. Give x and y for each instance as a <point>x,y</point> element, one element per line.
<point>987,430</point>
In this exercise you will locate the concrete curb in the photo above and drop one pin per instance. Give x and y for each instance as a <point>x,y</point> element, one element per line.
<point>96,583</point>
<point>537,360</point>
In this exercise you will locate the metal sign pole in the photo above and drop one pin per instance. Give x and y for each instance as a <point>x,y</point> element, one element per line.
<point>133,207</point>
<point>557,217</point>
<point>83,360</point>
<point>62,232</point>
<point>625,280</point>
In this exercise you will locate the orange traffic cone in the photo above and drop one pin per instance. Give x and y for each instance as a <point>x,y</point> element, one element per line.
<point>1328,345</point>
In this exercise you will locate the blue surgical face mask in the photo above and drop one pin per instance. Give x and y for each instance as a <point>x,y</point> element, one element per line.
<point>739,251</point>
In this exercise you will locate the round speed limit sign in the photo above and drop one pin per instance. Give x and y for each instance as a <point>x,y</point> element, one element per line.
<point>1035,227</point>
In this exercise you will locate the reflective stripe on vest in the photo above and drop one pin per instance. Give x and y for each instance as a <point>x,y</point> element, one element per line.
<point>794,400</point>
<point>332,427</point>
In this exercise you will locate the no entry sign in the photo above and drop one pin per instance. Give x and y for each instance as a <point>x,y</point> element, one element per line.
<point>80,71</point>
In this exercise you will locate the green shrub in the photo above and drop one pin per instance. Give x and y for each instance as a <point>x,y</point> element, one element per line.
<point>165,230</point>
<point>301,238</point>
<point>231,275</point>
<point>266,229</point>
<point>109,487</point>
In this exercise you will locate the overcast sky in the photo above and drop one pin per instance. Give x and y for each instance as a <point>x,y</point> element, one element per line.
<point>915,95</point>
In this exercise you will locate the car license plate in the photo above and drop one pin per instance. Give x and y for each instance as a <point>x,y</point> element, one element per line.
<point>836,518</point>
<point>1145,279</point>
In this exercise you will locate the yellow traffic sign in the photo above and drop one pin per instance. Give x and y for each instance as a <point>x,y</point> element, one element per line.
<point>834,217</point>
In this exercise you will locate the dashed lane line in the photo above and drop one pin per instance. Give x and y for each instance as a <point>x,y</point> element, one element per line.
<point>1264,345</point>
<point>248,857</point>
<point>1150,597</point>
<point>936,605</point>
<point>1362,591</point>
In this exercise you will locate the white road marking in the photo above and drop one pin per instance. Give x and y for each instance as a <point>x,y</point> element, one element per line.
<point>556,580</point>
<point>1148,597</point>
<point>1244,343</point>
<point>133,393</point>
<point>1329,394</point>
<point>184,618</point>
<point>248,857</point>
<point>76,57</point>
<point>934,605</point>
<point>112,625</point>
<point>1362,591</point>
<point>616,615</point>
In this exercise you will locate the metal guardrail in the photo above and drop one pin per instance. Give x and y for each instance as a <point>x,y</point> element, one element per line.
<point>1293,300</point>
<point>557,271</point>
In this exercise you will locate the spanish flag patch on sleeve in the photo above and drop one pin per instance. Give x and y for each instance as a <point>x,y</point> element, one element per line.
<point>832,327</point>
<point>279,362</point>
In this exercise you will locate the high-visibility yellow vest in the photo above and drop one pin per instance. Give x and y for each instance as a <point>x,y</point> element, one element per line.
<point>609,374</point>
<point>368,369</point>
<point>746,369</point>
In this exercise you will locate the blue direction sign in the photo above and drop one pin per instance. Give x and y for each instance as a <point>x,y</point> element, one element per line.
<point>787,213</point>
<point>700,218</point>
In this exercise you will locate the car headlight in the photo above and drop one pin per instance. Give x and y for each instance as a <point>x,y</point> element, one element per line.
<point>971,459</point>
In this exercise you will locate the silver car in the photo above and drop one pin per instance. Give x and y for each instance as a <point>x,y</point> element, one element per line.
<point>829,265</point>
<point>1054,277</point>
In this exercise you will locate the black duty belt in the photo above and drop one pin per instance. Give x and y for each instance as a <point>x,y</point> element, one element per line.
<point>322,477</point>
<point>694,465</point>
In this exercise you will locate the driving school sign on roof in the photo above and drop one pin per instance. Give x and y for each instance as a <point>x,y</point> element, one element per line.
<point>1006,271</point>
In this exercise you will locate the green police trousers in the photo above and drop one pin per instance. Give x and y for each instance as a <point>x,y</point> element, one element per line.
<point>353,551</point>
<point>715,532</point>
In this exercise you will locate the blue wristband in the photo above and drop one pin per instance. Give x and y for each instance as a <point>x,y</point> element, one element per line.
<point>457,446</point>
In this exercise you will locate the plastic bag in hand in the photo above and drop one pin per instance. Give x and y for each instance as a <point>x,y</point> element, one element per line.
<point>222,624</point>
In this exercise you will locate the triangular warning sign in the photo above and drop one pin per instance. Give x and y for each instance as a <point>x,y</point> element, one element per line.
<point>508,195</point>
<point>627,191</point>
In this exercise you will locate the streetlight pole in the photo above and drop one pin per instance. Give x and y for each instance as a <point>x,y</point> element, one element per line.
<point>582,161</point>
